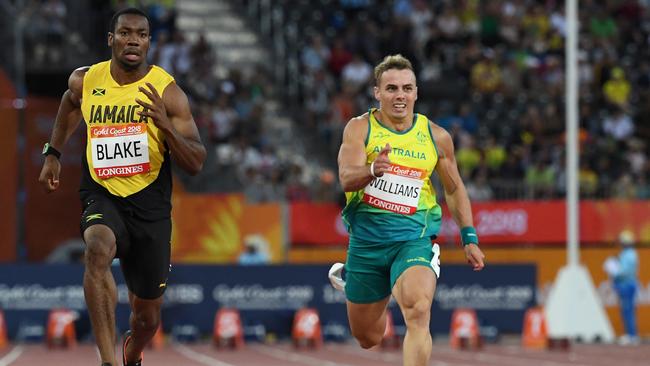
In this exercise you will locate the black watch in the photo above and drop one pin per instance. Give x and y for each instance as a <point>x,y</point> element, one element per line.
<point>49,150</point>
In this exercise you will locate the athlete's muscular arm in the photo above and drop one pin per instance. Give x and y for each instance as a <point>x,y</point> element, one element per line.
<point>172,115</point>
<point>354,173</point>
<point>455,193</point>
<point>67,120</point>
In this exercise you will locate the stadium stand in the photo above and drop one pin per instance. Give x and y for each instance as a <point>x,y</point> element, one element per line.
<point>273,83</point>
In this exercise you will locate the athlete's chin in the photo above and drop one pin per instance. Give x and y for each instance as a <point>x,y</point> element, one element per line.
<point>129,65</point>
<point>400,113</point>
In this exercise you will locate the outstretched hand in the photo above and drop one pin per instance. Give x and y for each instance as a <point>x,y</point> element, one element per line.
<point>382,162</point>
<point>474,256</point>
<point>154,110</point>
<point>49,177</point>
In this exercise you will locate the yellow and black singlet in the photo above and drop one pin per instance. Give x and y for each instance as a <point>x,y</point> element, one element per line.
<point>126,155</point>
<point>400,205</point>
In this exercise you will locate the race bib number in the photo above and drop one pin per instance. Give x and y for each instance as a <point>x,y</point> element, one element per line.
<point>398,190</point>
<point>119,150</point>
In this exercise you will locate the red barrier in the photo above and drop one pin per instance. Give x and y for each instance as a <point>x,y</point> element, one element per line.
<point>228,330</point>
<point>534,333</point>
<point>307,329</point>
<point>60,331</point>
<point>464,332</point>
<point>507,222</point>
<point>3,331</point>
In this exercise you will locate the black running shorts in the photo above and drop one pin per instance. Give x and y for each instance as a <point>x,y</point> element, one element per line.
<point>143,247</point>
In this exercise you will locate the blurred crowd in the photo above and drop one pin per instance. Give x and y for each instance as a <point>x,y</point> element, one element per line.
<point>491,72</point>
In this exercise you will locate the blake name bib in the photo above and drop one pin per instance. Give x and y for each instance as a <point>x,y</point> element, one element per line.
<point>119,150</point>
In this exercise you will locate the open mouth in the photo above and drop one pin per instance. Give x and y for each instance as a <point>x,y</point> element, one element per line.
<point>132,55</point>
<point>399,106</point>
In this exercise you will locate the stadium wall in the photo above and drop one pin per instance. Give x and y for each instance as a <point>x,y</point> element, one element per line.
<point>9,169</point>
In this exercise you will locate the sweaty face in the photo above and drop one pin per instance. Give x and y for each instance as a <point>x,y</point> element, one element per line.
<point>130,42</point>
<point>397,93</point>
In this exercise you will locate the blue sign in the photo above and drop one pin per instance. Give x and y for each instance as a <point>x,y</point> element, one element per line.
<point>267,296</point>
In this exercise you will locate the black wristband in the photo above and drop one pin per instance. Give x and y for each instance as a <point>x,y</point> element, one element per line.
<point>49,150</point>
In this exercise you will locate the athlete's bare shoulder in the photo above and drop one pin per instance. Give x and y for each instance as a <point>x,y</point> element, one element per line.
<point>442,138</point>
<point>438,132</point>
<point>357,127</point>
<point>358,124</point>
<point>76,80</point>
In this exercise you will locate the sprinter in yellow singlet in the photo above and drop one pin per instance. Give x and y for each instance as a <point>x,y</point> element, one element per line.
<point>136,119</point>
<point>385,161</point>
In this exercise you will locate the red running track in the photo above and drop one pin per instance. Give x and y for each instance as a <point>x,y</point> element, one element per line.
<point>332,354</point>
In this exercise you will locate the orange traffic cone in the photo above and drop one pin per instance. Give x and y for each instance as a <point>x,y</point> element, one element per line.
<point>534,334</point>
<point>60,328</point>
<point>3,331</point>
<point>464,332</point>
<point>390,339</point>
<point>228,330</point>
<point>307,328</point>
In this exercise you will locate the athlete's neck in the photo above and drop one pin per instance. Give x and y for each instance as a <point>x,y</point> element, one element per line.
<point>397,124</point>
<point>124,76</point>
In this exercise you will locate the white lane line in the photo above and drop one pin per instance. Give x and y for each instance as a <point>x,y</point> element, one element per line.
<point>513,359</point>
<point>287,355</point>
<point>11,356</point>
<point>198,356</point>
<point>389,357</point>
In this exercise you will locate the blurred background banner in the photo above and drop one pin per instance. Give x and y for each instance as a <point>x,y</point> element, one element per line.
<point>220,225</point>
<point>316,224</point>
<point>497,222</point>
<point>266,296</point>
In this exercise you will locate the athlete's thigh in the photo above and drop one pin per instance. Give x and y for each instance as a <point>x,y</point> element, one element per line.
<point>367,272</point>
<point>417,283</point>
<point>412,277</point>
<point>99,210</point>
<point>147,264</point>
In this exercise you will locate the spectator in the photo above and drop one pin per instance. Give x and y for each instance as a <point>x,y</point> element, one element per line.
<point>617,89</point>
<point>540,179</point>
<point>623,271</point>
<point>486,75</point>
<point>618,125</point>
<point>478,188</point>
<point>315,55</point>
<point>357,73</point>
<point>255,251</point>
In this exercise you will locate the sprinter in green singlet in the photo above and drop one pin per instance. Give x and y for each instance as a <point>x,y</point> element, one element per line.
<point>136,119</point>
<point>385,161</point>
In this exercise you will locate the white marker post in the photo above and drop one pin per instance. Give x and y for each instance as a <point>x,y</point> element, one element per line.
<point>573,309</point>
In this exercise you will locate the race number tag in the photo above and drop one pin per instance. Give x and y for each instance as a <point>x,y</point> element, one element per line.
<point>398,190</point>
<point>120,150</point>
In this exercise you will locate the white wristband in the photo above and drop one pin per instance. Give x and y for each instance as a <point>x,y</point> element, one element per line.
<point>372,169</point>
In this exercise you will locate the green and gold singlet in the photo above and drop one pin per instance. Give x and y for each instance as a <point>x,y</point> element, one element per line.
<point>401,205</point>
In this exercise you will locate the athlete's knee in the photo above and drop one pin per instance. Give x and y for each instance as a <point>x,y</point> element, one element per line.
<point>368,339</point>
<point>99,254</point>
<point>100,250</point>
<point>147,319</point>
<point>417,312</point>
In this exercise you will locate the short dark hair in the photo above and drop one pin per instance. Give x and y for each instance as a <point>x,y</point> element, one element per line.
<point>389,62</point>
<point>134,11</point>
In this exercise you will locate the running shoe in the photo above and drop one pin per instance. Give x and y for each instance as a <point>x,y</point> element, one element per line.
<point>335,276</point>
